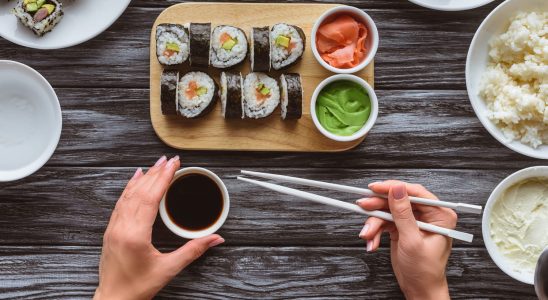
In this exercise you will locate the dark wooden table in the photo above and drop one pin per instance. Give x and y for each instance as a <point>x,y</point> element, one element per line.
<point>51,223</point>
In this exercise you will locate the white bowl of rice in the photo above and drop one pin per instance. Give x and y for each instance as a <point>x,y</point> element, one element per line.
<point>507,75</point>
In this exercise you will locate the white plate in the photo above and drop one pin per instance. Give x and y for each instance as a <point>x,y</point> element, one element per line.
<point>451,5</point>
<point>83,20</point>
<point>476,63</point>
<point>30,120</point>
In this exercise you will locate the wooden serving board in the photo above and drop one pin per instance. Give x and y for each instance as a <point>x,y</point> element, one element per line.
<point>213,132</point>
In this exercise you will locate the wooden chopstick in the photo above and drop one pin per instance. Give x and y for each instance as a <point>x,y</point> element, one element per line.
<point>463,236</point>
<point>462,207</point>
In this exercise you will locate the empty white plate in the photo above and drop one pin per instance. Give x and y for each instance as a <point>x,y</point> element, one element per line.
<point>451,5</point>
<point>30,120</point>
<point>83,20</point>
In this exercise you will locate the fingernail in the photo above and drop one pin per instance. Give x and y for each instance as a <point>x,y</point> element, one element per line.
<point>372,184</point>
<point>399,191</point>
<point>172,161</point>
<point>361,201</point>
<point>364,230</point>
<point>139,170</point>
<point>369,245</point>
<point>160,161</point>
<point>216,242</point>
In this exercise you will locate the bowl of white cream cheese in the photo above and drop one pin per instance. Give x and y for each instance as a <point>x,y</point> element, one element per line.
<point>515,222</point>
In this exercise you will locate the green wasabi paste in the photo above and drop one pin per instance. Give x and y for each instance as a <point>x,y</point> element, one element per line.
<point>343,107</point>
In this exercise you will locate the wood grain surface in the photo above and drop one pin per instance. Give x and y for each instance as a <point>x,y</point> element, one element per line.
<point>51,223</point>
<point>213,131</point>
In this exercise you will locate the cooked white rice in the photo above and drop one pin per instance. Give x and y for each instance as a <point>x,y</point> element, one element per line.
<point>515,85</point>
<point>173,34</point>
<point>253,107</point>
<point>192,107</point>
<point>222,58</point>
<point>281,56</point>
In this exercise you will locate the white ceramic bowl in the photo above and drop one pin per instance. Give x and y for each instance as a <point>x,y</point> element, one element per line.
<point>500,260</point>
<point>30,120</point>
<point>188,234</point>
<point>372,116</point>
<point>371,42</point>
<point>83,20</point>
<point>476,63</point>
<point>451,5</point>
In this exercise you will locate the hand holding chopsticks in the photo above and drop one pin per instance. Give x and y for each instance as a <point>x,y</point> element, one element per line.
<point>345,205</point>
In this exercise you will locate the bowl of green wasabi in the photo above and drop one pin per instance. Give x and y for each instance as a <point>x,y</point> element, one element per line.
<point>344,107</point>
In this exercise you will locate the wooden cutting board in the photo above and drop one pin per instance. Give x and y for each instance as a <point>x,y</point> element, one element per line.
<point>213,132</point>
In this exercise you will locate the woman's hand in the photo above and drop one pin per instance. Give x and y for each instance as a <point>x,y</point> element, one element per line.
<point>419,258</point>
<point>130,266</point>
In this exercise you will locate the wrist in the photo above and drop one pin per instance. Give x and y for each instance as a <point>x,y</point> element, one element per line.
<point>437,291</point>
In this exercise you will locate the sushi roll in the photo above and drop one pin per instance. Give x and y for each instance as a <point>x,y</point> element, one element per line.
<point>232,95</point>
<point>40,16</point>
<point>198,93</point>
<point>261,95</point>
<point>260,49</point>
<point>200,37</point>
<point>291,96</point>
<point>168,94</point>
<point>172,44</point>
<point>287,44</point>
<point>228,47</point>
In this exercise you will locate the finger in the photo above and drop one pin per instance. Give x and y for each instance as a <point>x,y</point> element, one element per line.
<point>373,244</point>
<point>152,173</point>
<point>373,203</point>
<point>415,190</point>
<point>189,252</point>
<point>401,210</point>
<point>371,228</point>
<point>148,207</point>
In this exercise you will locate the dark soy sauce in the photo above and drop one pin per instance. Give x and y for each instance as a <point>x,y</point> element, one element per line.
<point>194,202</point>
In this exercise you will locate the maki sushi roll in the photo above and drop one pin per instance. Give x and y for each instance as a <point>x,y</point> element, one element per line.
<point>261,95</point>
<point>291,96</point>
<point>40,16</point>
<point>200,37</point>
<point>172,45</point>
<point>232,96</point>
<point>228,46</point>
<point>287,44</point>
<point>168,92</point>
<point>260,49</point>
<point>198,93</point>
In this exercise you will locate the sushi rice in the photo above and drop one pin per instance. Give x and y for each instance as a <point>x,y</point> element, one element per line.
<point>282,57</point>
<point>192,105</point>
<point>224,58</point>
<point>254,107</point>
<point>172,33</point>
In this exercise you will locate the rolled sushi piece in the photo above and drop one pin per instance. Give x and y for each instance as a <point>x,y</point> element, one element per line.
<point>40,16</point>
<point>168,94</point>
<point>232,96</point>
<point>200,39</point>
<point>287,44</point>
<point>261,95</point>
<point>198,93</point>
<point>172,44</point>
<point>260,49</point>
<point>228,47</point>
<point>291,96</point>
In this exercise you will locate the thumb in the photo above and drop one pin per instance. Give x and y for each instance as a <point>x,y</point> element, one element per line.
<point>401,210</point>
<point>192,250</point>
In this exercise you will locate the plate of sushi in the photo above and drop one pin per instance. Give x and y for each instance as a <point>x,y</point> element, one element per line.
<point>223,77</point>
<point>55,24</point>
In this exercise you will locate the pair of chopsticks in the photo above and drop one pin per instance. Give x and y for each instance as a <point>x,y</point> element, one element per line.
<point>463,207</point>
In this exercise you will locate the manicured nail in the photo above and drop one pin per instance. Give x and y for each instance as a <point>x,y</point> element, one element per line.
<point>364,231</point>
<point>139,170</point>
<point>216,242</point>
<point>372,184</point>
<point>160,161</point>
<point>399,191</point>
<point>369,246</point>
<point>172,161</point>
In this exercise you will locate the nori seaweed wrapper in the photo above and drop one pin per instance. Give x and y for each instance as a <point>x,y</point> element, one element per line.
<point>234,90</point>
<point>261,49</point>
<point>294,96</point>
<point>200,39</point>
<point>168,94</point>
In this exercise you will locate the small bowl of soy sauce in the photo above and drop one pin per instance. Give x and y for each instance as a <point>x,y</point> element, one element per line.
<point>196,203</point>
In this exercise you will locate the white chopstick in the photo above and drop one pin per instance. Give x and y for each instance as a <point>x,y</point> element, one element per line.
<point>463,207</point>
<point>463,236</point>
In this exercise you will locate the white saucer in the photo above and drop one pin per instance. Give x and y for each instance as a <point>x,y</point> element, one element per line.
<point>451,5</point>
<point>30,120</point>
